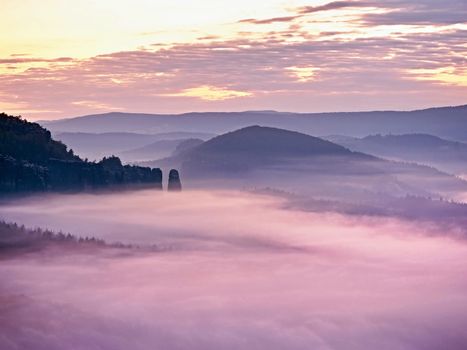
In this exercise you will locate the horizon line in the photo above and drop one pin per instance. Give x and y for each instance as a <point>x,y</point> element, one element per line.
<point>249,111</point>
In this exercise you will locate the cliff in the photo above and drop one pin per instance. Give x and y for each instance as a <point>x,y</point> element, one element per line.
<point>31,160</point>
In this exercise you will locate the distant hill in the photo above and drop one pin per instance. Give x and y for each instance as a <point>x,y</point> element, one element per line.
<point>421,148</point>
<point>254,147</point>
<point>30,142</point>
<point>267,142</point>
<point>31,160</point>
<point>261,156</point>
<point>96,145</point>
<point>447,122</point>
<point>186,145</point>
<point>152,151</point>
<point>159,149</point>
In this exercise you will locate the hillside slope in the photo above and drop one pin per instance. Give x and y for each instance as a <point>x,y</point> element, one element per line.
<point>95,145</point>
<point>264,156</point>
<point>421,148</point>
<point>152,151</point>
<point>253,147</point>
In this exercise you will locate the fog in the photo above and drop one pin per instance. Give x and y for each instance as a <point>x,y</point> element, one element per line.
<point>232,270</point>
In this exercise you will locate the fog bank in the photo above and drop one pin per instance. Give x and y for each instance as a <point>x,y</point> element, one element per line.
<point>239,271</point>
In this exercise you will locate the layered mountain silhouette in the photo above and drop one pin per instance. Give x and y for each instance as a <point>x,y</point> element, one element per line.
<point>447,122</point>
<point>95,145</point>
<point>421,148</point>
<point>255,147</point>
<point>251,156</point>
<point>259,155</point>
<point>156,150</point>
<point>187,145</point>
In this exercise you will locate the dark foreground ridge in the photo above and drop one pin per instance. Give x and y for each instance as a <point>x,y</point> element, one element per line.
<point>30,160</point>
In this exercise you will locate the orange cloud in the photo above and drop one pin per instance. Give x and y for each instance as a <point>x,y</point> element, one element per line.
<point>211,93</point>
<point>446,75</point>
<point>303,74</point>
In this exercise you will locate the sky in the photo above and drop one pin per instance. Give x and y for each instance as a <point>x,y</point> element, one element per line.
<point>67,58</point>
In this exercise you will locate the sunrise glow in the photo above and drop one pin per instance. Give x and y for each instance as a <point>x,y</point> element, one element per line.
<point>135,55</point>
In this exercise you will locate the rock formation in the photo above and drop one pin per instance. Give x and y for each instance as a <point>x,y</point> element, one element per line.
<point>31,160</point>
<point>174,181</point>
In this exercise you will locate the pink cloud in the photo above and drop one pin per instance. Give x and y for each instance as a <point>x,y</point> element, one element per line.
<point>351,72</point>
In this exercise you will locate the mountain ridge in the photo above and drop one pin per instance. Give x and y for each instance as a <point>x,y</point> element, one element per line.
<point>420,148</point>
<point>447,122</point>
<point>265,156</point>
<point>109,114</point>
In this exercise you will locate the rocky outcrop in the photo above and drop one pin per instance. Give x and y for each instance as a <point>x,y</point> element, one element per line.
<point>30,160</point>
<point>17,175</point>
<point>63,175</point>
<point>174,181</point>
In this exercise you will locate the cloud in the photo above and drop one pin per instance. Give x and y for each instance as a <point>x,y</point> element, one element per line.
<point>362,64</point>
<point>302,11</point>
<point>18,59</point>
<point>445,75</point>
<point>303,74</point>
<point>139,80</point>
<point>269,20</point>
<point>335,5</point>
<point>211,93</point>
<point>95,105</point>
<point>423,12</point>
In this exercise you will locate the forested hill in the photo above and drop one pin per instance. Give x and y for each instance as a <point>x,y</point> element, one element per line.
<point>31,160</point>
<point>30,142</point>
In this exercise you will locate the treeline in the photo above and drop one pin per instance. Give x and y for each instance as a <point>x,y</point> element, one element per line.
<point>31,160</point>
<point>14,237</point>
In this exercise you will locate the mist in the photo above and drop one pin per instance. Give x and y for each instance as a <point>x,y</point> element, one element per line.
<point>232,270</point>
